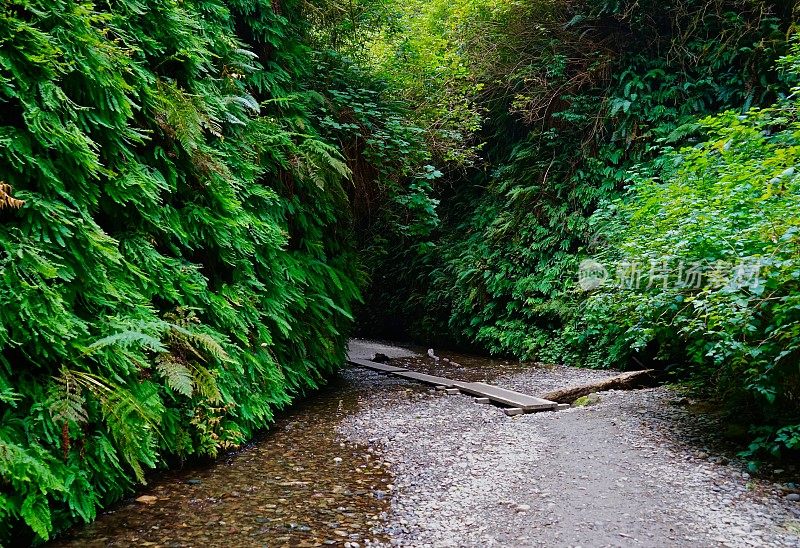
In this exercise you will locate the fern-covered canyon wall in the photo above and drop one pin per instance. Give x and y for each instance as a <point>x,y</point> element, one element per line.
<point>198,198</point>
<point>176,236</point>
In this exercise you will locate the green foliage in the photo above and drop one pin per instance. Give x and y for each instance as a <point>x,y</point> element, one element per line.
<point>723,211</point>
<point>574,102</point>
<point>390,165</point>
<point>185,183</point>
<point>175,241</point>
<point>422,50</point>
<point>603,98</point>
<point>580,100</point>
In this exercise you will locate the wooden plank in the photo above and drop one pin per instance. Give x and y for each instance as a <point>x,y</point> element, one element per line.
<point>375,366</point>
<point>427,379</point>
<point>506,397</point>
<point>484,392</point>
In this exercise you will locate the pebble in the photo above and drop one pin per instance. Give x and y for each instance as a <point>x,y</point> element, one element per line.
<point>146,499</point>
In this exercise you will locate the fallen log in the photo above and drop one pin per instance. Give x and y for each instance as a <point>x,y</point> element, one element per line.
<point>625,381</point>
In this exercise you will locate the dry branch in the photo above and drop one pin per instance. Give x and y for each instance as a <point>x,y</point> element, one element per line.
<point>625,381</point>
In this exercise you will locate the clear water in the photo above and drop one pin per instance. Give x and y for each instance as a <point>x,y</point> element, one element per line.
<point>298,484</point>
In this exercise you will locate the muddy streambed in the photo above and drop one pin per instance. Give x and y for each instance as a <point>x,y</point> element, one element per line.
<point>299,484</point>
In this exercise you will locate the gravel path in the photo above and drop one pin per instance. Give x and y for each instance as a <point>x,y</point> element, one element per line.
<point>364,350</point>
<point>629,470</point>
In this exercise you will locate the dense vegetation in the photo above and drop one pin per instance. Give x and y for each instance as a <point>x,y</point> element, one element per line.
<point>175,235</point>
<point>194,194</point>
<point>587,109</point>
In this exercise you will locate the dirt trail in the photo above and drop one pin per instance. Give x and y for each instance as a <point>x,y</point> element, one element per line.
<point>628,471</point>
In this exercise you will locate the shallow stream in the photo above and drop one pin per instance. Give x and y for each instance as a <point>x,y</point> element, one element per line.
<point>298,484</point>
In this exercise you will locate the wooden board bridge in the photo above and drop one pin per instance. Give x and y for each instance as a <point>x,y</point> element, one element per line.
<point>516,403</point>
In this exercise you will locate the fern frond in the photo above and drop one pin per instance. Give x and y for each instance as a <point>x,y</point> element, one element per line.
<point>8,201</point>
<point>206,383</point>
<point>205,341</point>
<point>129,338</point>
<point>178,376</point>
<point>66,400</point>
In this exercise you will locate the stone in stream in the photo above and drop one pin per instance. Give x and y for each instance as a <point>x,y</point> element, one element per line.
<point>146,499</point>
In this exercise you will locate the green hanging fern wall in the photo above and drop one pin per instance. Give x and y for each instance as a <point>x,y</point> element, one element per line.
<point>174,242</point>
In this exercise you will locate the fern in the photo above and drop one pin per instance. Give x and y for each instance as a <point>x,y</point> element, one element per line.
<point>178,376</point>
<point>206,383</point>
<point>36,513</point>
<point>66,400</point>
<point>174,195</point>
<point>128,339</point>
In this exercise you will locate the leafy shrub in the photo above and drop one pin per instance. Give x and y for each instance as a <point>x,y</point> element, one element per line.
<point>716,237</point>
